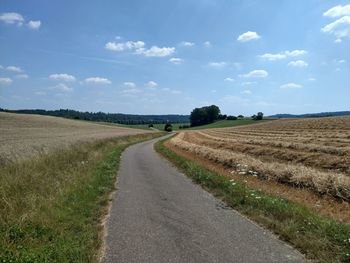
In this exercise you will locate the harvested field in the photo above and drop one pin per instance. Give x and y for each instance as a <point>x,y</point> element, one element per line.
<point>306,153</point>
<point>24,136</point>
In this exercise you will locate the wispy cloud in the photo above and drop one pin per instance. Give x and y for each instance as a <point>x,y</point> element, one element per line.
<point>14,69</point>
<point>248,36</point>
<point>139,47</point>
<point>207,44</point>
<point>187,44</point>
<point>339,28</point>
<point>298,63</point>
<point>337,11</point>
<point>151,84</point>
<point>218,64</point>
<point>62,77</point>
<point>97,81</point>
<point>62,88</point>
<point>5,81</point>
<point>283,55</point>
<point>229,79</point>
<point>291,86</point>
<point>34,24</point>
<point>12,18</point>
<point>258,73</point>
<point>176,61</point>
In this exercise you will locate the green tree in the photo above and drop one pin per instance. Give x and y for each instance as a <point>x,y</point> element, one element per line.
<point>204,115</point>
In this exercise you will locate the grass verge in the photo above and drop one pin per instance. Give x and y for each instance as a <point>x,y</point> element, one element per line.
<point>51,206</point>
<point>321,239</point>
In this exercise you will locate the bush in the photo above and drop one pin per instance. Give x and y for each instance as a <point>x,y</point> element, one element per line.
<point>168,127</point>
<point>231,118</point>
<point>150,125</point>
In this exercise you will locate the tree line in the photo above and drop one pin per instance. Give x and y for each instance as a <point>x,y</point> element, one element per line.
<point>107,117</point>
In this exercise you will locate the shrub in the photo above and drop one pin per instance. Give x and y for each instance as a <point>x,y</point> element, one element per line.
<point>168,127</point>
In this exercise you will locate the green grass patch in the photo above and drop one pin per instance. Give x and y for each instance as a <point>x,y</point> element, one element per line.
<point>321,239</point>
<point>51,206</point>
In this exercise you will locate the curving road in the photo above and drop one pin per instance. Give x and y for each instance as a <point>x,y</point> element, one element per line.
<point>159,215</point>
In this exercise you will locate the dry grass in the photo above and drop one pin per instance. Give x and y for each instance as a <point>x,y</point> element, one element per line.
<point>24,136</point>
<point>310,153</point>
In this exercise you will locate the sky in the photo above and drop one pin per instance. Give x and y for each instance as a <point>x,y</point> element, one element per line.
<point>168,57</point>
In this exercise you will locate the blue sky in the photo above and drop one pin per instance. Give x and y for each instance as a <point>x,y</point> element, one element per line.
<point>160,57</point>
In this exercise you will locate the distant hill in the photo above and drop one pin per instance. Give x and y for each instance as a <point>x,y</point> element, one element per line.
<point>311,115</point>
<point>107,117</point>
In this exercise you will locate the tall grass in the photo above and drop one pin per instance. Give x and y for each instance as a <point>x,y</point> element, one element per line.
<point>321,239</point>
<point>51,206</point>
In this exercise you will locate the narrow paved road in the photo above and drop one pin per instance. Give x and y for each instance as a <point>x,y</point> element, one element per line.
<point>159,215</point>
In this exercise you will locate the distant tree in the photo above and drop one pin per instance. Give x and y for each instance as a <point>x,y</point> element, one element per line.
<point>259,116</point>
<point>222,117</point>
<point>168,127</point>
<point>204,115</point>
<point>240,116</point>
<point>150,125</point>
<point>231,118</point>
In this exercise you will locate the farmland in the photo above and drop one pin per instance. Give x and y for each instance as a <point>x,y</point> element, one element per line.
<point>308,154</point>
<point>55,179</point>
<point>24,136</point>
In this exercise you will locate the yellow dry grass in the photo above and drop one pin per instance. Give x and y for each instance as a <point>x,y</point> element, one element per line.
<point>311,153</point>
<point>24,136</point>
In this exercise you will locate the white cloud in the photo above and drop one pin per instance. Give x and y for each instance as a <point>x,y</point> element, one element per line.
<point>176,61</point>
<point>62,77</point>
<point>273,57</point>
<point>283,55</point>
<point>247,92</point>
<point>62,88</point>
<point>220,64</point>
<point>22,76</point>
<point>338,40</point>
<point>129,45</point>
<point>248,36</point>
<point>131,91</point>
<point>14,69</point>
<point>140,49</point>
<point>295,53</point>
<point>298,63</point>
<point>97,80</point>
<point>5,81</point>
<point>291,86</point>
<point>34,24</point>
<point>229,79</point>
<point>129,84</point>
<point>311,79</point>
<point>12,18</point>
<point>337,11</point>
<point>155,51</point>
<point>151,84</point>
<point>187,44</point>
<point>339,28</point>
<point>207,44</point>
<point>258,73</point>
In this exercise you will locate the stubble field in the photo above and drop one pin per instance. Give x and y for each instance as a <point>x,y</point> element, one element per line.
<point>25,136</point>
<point>313,154</point>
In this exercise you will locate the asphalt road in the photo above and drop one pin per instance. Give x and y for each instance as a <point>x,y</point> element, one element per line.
<point>159,215</point>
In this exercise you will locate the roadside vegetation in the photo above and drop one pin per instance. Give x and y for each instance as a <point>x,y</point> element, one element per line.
<point>51,205</point>
<point>321,239</point>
